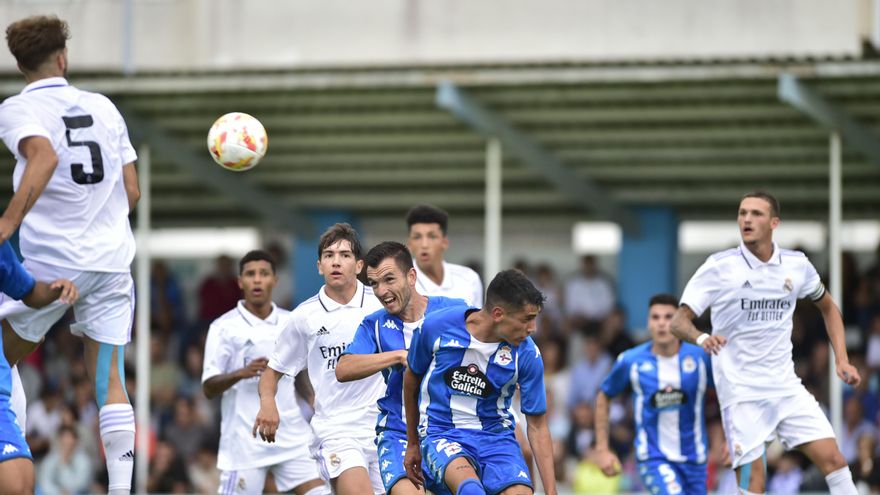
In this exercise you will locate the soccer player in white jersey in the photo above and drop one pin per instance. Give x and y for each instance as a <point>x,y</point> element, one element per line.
<point>75,184</point>
<point>428,243</point>
<point>316,334</point>
<point>752,290</point>
<point>465,364</point>
<point>236,354</point>
<point>669,380</point>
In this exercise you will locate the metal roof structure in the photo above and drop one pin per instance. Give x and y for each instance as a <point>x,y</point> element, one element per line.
<point>693,136</point>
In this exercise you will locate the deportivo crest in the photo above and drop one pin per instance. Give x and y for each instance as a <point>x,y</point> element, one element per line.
<point>468,380</point>
<point>688,365</point>
<point>503,356</point>
<point>788,286</point>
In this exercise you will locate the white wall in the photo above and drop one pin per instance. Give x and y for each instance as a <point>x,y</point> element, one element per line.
<point>289,33</point>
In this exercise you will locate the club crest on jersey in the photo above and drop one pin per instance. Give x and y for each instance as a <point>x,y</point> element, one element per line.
<point>468,380</point>
<point>242,484</point>
<point>688,365</point>
<point>668,397</point>
<point>788,286</point>
<point>503,356</point>
<point>335,461</point>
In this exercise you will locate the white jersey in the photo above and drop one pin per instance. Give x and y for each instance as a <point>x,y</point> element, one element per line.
<point>81,219</point>
<point>315,337</point>
<point>459,282</point>
<point>752,306</point>
<point>234,340</point>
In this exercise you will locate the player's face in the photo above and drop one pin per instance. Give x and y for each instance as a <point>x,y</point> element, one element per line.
<point>427,243</point>
<point>756,223</point>
<point>339,266</point>
<point>257,281</point>
<point>514,325</point>
<point>391,285</point>
<point>659,323</point>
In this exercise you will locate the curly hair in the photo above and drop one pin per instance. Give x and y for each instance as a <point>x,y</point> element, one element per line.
<point>34,39</point>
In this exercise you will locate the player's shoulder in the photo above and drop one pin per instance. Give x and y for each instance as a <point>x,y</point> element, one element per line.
<point>720,256</point>
<point>793,253</point>
<point>529,348</point>
<point>437,303</point>
<point>688,349</point>
<point>375,316</point>
<point>462,271</point>
<point>640,351</point>
<point>444,318</point>
<point>226,320</point>
<point>306,308</point>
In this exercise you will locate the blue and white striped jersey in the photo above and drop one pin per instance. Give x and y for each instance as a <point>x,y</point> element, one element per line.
<point>668,398</point>
<point>468,384</point>
<point>383,332</point>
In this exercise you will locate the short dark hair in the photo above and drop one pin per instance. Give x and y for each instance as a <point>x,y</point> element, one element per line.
<point>665,299</point>
<point>389,249</point>
<point>33,40</point>
<point>427,214</point>
<point>774,203</point>
<point>340,232</point>
<point>511,288</point>
<point>256,255</point>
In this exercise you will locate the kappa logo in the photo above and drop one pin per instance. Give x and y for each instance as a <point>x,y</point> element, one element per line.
<point>522,474</point>
<point>383,451</point>
<point>9,449</point>
<point>323,331</point>
<point>385,464</point>
<point>747,285</point>
<point>388,477</point>
<point>453,343</point>
<point>646,366</point>
<point>390,324</point>
<point>128,456</point>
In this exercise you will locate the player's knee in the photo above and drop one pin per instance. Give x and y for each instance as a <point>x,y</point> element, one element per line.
<point>518,490</point>
<point>832,461</point>
<point>471,486</point>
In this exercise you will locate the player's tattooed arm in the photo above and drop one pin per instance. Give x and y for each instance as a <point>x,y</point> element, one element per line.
<point>682,326</point>
<point>41,163</point>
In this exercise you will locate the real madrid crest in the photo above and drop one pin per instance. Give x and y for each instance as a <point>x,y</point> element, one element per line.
<point>335,461</point>
<point>788,286</point>
<point>503,356</point>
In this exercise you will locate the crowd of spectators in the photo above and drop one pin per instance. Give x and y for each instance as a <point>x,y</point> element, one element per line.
<point>581,331</point>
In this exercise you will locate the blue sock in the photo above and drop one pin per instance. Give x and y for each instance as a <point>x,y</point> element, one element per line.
<point>471,486</point>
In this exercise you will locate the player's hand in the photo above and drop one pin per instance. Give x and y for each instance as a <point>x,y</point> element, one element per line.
<point>849,374</point>
<point>267,421</point>
<point>254,368</point>
<point>726,461</point>
<point>7,228</point>
<point>69,293</point>
<point>713,344</point>
<point>401,356</point>
<point>412,461</point>
<point>608,462</point>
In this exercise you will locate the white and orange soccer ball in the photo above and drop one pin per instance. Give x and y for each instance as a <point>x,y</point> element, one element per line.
<point>237,141</point>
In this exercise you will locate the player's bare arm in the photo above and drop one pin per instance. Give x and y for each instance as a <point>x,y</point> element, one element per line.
<point>682,326</point>
<point>217,384</point>
<point>268,419</point>
<point>605,458</point>
<point>41,163</point>
<point>302,385</point>
<point>130,180</point>
<point>834,326</point>
<point>44,293</point>
<point>542,447</point>
<point>359,366</point>
<point>412,461</point>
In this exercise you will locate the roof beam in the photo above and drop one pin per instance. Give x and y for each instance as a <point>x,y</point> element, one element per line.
<point>230,184</point>
<point>582,191</point>
<point>829,115</point>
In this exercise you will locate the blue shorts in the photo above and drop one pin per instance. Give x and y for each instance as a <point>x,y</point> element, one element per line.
<point>497,458</point>
<point>12,442</point>
<point>392,449</point>
<point>672,478</point>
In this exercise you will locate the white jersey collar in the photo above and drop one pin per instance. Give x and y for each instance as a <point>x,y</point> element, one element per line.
<point>45,83</point>
<point>330,305</point>
<point>447,282</point>
<point>254,320</point>
<point>754,262</point>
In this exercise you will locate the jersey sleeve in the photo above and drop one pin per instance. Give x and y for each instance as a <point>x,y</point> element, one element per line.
<point>617,380</point>
<point>478,291</point>
<point>15,281</point>
<point>533,395</point>
<point>364,341</point>
<point>17,123</point>
<point>291,354</point>
<point>813,288</point>
<point>702,289</point>
<point>421,348</point>
<point>218,354</point>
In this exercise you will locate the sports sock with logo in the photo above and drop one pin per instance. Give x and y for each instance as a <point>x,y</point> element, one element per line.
<point>117,435</point>
<point>471,486</point>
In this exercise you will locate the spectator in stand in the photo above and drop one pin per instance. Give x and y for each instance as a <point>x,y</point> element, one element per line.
<point>167,471</point>
<point>583,433</point>
<point>186,431</point>
<point>550,321</point>
<point>203,472</point>
<point>67,469</point>
<point>165,374</point>
<point>282,294</point>
<point>788,476</point>
<point>588,371</point>
<point>167,311</point>
<point>613,335</point>
<point>219,292</point>
<point>589,295</point>
<point>44,419</point>
<point>866,468</point>
<point>854,426</point>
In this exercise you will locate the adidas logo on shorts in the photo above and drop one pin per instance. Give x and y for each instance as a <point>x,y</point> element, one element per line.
<point>323,331</point>
<point>128,456</point>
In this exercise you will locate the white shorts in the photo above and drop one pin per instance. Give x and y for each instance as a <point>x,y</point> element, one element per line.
<point>335,455</point>
<point>103,312</point>
<point>288,475</point>
<point>794,420</point>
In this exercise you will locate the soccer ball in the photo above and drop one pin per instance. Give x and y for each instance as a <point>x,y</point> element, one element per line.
<point>237,141</point>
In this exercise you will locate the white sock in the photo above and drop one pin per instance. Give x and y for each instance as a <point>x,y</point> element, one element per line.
<point>18,401</point>
<point>117,435</point>
<point>840,482</point>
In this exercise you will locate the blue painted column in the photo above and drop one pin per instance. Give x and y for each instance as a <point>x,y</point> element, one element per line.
<point>647,263</point>
<point>304,262</point>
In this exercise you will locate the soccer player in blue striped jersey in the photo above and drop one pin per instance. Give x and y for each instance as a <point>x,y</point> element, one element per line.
<point>380,345</point>
<point>464,366</point>
<point>16,463</point>
<point>668,380</point>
